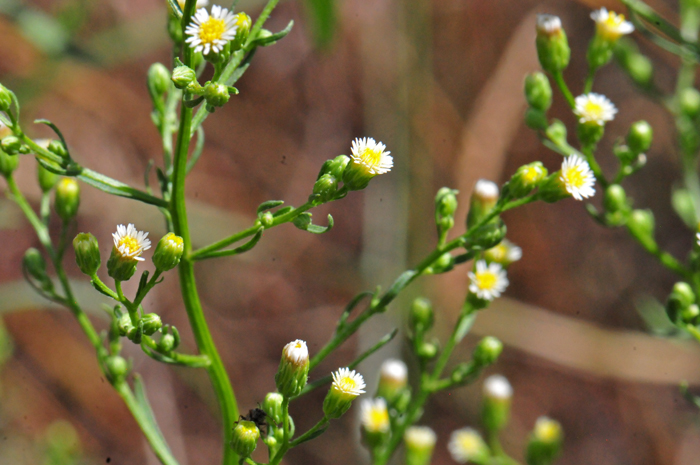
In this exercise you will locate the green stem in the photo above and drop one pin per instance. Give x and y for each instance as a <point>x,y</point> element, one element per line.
<point>559,80</point>
<point>666,259</point>
<point>322,423</point>
<point>285,441</point>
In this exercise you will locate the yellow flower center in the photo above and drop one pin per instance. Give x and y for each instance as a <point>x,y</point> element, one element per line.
<point>610,27</point>
<point>498,253</point>
<point>592,110</point>
<point>547,431</point>
<point>486,280</point>
<point>347,384</point>
<point>370,158</point>
<point>574,177</point>
<point>469,443</point>
<point>212,29</point>
<point>531,174</point>
<point>130,243</point>
<point>378,419</point>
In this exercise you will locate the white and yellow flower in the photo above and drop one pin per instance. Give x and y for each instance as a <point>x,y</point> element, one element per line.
<point>610,25</point>
<point>594,108</point>
<point>504,253</point>
<point>347,385</point>
<point>200,4</point>
<point>488,280</point>
<point>293,372</point>
<point>296,352</point>
<point>548,24</point>
<point>130,242</point>
<point>466,445</point>
<point>374,415</point>
<point>577,177</point>
<point>371,155</point>
<point>211,32</point>
<point>497,387</point>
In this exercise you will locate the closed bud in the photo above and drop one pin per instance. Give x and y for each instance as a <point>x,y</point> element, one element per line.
<point>526,179</point>
<point>590,133</point>
<point>272,405</point>
<point>538,91</point>
<point>245,438</point>
<point>600,52</point>
<point>335,167</point>
<point>11,145</point>
<point>47,179</point>
<point>489,235</point>
<point>443,264</point>
<point>326,187</point>
<point>552,189</point>
<point>393,379</point>
<point>639,137</point>
<point>536,119</point>
<point>487,351</point>
<point>166,343</point>
<point>158,80</point>
<point>67,198</point>
<point>639,68</point>
<point>552,45</point>
<point>557,132</point>
<point>151,324</point>
<point>293,371</point>
<point>124,324</point>
<point>462,373</point>
<point>5,98</point>
<point>420,443</point>
<point>57,147</point>
<point>690,314</point>
<point>119,267</point>
<point>347,385</point>
<point>266,219</point>
<point>421,317</point>
<point>680,299</point>
<point>116,368</point>
<point>244,24</point>
<point>35,265</point>
<point>689,101</point>
<point>641,225</point>
<point>483,200</point>
<point>216,94</point>
<point>183,76</point>
<point>467,446</point>
<point>615,198</point>
<point>427,350</point>
<point>168,252</point>
<point>545,442</point>
<point>87,253</point>
<point>8,163</point>
<point>446,202</point>
<point>497,395</point>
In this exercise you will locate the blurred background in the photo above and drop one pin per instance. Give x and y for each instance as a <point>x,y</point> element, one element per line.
<point>440,82</point>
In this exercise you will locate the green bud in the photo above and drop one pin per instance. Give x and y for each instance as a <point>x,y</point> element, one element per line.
<point>420,443</point>
<point>526,179</point>
<point>293,371</point>
<point>427,350</point>
<point>552,45</point>
<point>393,379</point>
<point>446,202</point>
<point>11,145</point>
<point>121,267</point>
<point>678,302</point>
<point>443,264</point>
<point>689,101</point>
<point>347,385</point>
<point>116,367</point>
<point>151,324</point>
<point>57,147</point>
<point>690,314</point>
<point>47,179</point>
<point>35,265</point>
<point>538,91</point>
<point>600,52</point>
<point>124,324</point>
<point>487,351</point>
<point>489,235</point>
<point>536,119</point>
<point>641,225</point>
<point>245,438</point>
<point>552,189</point>
<point>87,253</point>
<point>483,200</point>
<point>166,343</point>
<point>326,187</point>
<point>183,76</point>
<point>67,198</point>
<point>545,442</point>
<point>8,163</point>
<point>495,412</point>
<point>615,198</point>
<point>5,98</point>
<point>590,132</point>
<point>158,80</point>
<point>639,137</point>
<point>639,68</point>
<point>266,219</point>
<point>272,405</point>
<point>168,252</point>
<point>470,446</point>
<point>557,132</point>
<point>421,317</point>
<point>216,94</point>
<point>244,24</point>
<point>335,167</point>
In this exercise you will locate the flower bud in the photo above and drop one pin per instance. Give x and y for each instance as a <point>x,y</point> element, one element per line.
<point>504,253</point>
<point>183,76</point>
<point>484,199</point>
<point>151,323</point>
<point>120,268</point>
<point>536,119</point>
<point>538,91</point>
<point>463,372</point>
<point>526,179</point>
<point>11,145</point>
<point>443,264</point>
<point>5,98</point>
<point>87,253</point>
<point>690,314</point>
<point>335,167</point>
<point>374,418</point>
<point>8,163</point>
<point>267,219</point>
<point>244,24</point>
<point>116,368</point>
<point>552,45</point>
<point>369,158</point>
<point>590,133</point>
<point>689,101</point>
<point>347,385</point>
<point>681,297</point>
<point>420,443</point>
<point>245,438</point>
<point>467,446</point>
<point>129,244</point>
<point>158,80</point>
<point>557,132</point>
<point>326,187</point>
<point>272,405</point>
<point>446,202</point>
<point>216,94</point>
<point>639,68</point>
<point>35,265</point>
<point>495,411</point>
<point>552,189</point>
<point>489,235</point>
<point>615,198</point>
<point>168,252</point>
<point>57,147</point>
<point>545,442</point>
<point>393,379</point>
<point>427,350</point>
<point>487,352</point>
<point>641,225</point>
<point>67,198</point>
<point>47,179</point>
<point>421,318</point>
<point>293,371</point>
<point>639,137</point>
<point>124,324</point>
<point>166,343</point>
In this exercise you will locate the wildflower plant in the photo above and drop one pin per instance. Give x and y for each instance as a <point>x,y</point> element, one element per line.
<point>226,41</point>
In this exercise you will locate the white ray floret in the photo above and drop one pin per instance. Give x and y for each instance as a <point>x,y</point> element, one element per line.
<point>466,444</point>
<point>578,178</point>
<point>488,281</point>
<point>374,415</point>
<point>611,25</point>
<point>498,387</point>
<point>348,382</point>
<point>548,24</point>
<point>296,352</point>
<point>594,108</point>
<point>211,32</point>
<point>372,155</point>
<point>130,243</point>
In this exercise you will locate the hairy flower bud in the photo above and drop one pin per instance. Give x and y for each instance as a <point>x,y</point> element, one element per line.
<point>67,198</point>
<point>545,442</point>
<point>244,24</point>
<point>35,265</point>
<point>446,202</point>
<point>538,91</point>
<point>335,167</point>
<point>183,76</point>
<point>487,352</point>
<point>497,395</point>
<point>552,45</point>
<point>526,179</point>
<point>8,163</point>
<point>151,323</point>
<point>326,187</point>
<point>158,80</point>
<point>639,137</point>
<point>245,438</point>
<point>116,367</point>
<point>47,179</point>
<point>293,372</point>
<point>5,98</point>
<point>680,299</point>
<point>272,405</point>
<point>168,252</point>
<point>420,443</point>
<point>421,317</point>
<point>483,200</point>
<point>216,94</point>
<point>393,379</point>
<point>11,145</point>
<point>87,253</point>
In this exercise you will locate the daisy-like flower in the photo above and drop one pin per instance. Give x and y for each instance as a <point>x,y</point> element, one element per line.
<point>497,387</point>
<point>371,155</point>
<point>486,190</point>
<point>374,415</point>
<point>610,25</point>
<point>296,352</point>
<point>420,437</point>
<point>488,281</point>
<point>210,33</point>
<point>548,24</point>
<point>466,444</point>
<point>577,177</point>
<point>504,253</point>
<point>200,3</point>
<point>347,385</point>
<point>594,108</point>
<point>393,372</point>
<point>130,243</point>
<point>293,372</point>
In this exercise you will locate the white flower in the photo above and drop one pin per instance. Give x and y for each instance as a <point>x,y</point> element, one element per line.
<point>393,372</point>
<point>577,177</point>
<point>211,32</point>
<point>420,437</point>
<point>488,281</point>
<point>371,155</point>
<point>374,415</point>
<point>466,444</point>
<point>200,3</point>
<point>497,387</point>
<point>697,236</point>
<point>486,190</point>
<point>611,25</point>
<point>594,108</point>
<point>348,382</point>
<point>548,24</point>
<point>130,243</point>
<point>296,352</point>
<point>504,253</point>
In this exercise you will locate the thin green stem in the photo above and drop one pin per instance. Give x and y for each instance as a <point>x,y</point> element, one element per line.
<point>559,80</point>
<point>666,259</point>
<point>322,423</point>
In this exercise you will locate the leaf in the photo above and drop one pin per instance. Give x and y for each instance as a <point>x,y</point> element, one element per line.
<point>142,399</point>
<point>269,205</point>
<point>283,211</point>
<point>464,325</point>
<point>56,130</point>
<point>55,169</point>
<point>304,223</point>
<point>266,38</point>
<point>198,149</point>
<point>684,205</point>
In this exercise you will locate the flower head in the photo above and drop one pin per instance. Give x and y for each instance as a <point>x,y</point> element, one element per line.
<point>200,3</point>
<point>548,24</point>
<point>497,387</point>
<point>420,437</point>
<point>348,382</point>
<point>466,444</point>
<point>374,415</point>
<point>697,236</point>
<point>488,281</point>
<point>504,253</point>
<point>577,177</point>
<point>293,372</point>
<point>486,190</point>
<point>611,25</point>
<point>594,108</point>
<point>394,372</point>
<point>296,352</point>
<point>371,155</point>
<point>211,32</point>
<point>130,243</point>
